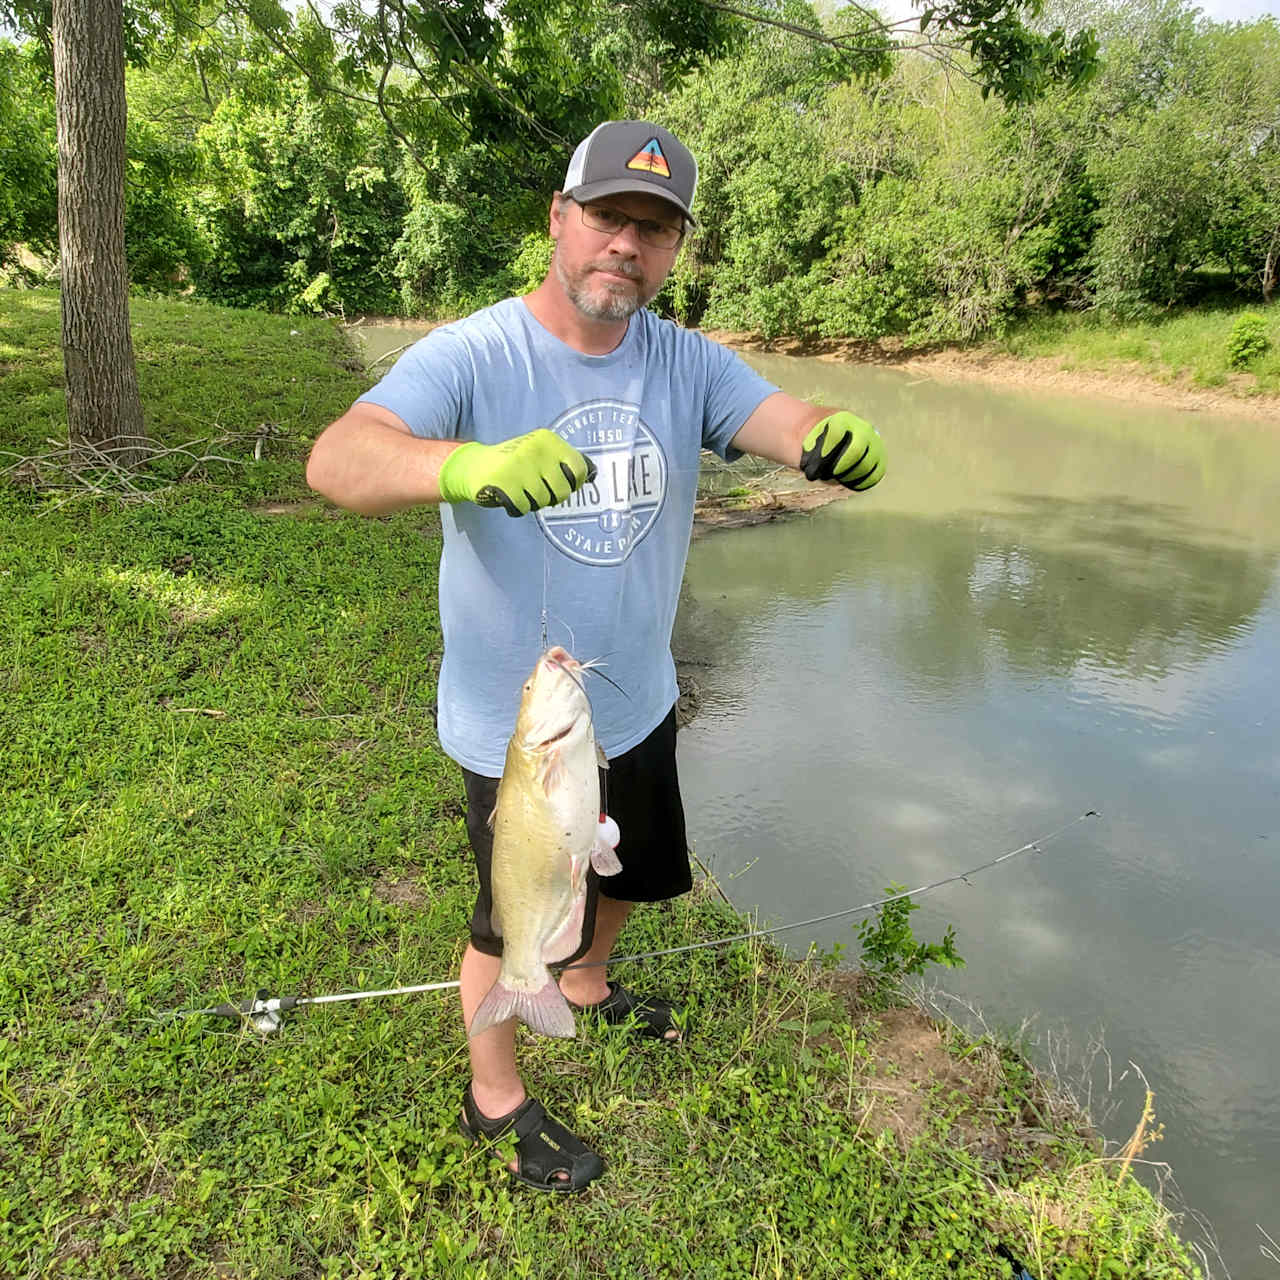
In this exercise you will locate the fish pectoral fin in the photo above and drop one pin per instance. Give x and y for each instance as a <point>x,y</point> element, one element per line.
<point>568,937</point>
<point>492,819</point>
<point>545,1010</point>
<point>604,860</point>
<point>601,759</point>
<point>552,771</point>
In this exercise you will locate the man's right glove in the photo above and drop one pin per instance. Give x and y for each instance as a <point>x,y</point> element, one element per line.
<point>534,470</point>
<point>843,448</point>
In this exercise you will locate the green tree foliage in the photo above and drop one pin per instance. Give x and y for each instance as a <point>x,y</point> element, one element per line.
<point>297,206</point>
<point>903,204</point>
<point>462,233</point>
<point>161,243</point>
<point>1182,137</point>
<point>768,193</point>
<point>912,202</point>
<point>855,181</point>
<point>169,102</point>
<point>950,228</point>
<point>28,155</point>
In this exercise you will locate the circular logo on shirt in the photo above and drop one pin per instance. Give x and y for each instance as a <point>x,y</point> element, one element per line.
<point>604,520</point>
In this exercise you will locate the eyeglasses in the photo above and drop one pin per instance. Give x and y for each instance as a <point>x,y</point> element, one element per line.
<point>661,235</point>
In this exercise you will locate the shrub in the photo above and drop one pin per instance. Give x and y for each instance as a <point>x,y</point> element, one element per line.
<point>532,261</point>
<point>1248,339</point>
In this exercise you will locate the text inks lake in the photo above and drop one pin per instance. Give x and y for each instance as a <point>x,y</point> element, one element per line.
<point>1050,605</point>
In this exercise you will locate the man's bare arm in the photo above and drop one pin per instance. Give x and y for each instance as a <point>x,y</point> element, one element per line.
<point>826,444</point>
<point>370,462</point>
<point>777,428</point>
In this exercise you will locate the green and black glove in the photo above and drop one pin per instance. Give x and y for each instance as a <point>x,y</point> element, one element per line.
<point>843,448</point>
<point>534,470</point>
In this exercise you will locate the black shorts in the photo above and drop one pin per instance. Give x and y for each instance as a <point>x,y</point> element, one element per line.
<point>641,793</point>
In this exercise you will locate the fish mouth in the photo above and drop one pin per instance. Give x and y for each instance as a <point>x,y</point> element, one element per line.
<point>558,656</point>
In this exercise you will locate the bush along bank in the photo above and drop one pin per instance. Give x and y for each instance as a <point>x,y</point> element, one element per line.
<point>220,773</point>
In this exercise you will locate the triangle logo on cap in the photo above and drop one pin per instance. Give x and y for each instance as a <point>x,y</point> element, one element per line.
<point>650,159</point>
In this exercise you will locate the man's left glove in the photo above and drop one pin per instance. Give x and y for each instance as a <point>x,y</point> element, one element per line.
<point>843,448</point>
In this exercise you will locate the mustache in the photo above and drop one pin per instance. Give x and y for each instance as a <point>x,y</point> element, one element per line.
<point>622,268</point>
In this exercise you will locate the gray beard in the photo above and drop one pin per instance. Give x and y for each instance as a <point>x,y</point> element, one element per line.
<point>615,306</point>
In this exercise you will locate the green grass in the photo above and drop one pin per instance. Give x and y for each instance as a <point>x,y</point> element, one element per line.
<point>220,773</point>
<point>1190,345</point>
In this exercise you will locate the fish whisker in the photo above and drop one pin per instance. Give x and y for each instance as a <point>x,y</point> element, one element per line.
<point>595,671</point>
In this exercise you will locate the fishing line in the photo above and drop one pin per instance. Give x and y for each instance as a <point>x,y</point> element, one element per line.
<point>546,584</point>
<point>848,911</point>
<point>264,1012</point>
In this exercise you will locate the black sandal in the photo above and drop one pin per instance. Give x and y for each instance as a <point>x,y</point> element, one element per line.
<point>655,1016</point>
<point>544,1147</point>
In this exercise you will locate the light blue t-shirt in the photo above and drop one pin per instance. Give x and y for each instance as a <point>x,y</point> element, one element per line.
<point>606,563</point>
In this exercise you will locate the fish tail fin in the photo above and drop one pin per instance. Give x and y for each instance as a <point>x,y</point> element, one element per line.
<point>545,1010</point>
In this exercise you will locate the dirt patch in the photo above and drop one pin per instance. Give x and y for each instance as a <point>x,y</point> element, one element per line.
<point>305,507</point>
<point>402,889</point>
<point>913,1078</point>
<point>91,642</point>
<point>911,1066</point>
<point>1124,381</point>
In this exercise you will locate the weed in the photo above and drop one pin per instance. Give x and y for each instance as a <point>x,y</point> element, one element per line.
<point>891,952</point>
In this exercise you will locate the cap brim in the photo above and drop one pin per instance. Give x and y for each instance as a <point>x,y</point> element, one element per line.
<point>620,186</point>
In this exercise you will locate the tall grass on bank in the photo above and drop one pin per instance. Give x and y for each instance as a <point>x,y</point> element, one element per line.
<point>1192,344</point>
<point>219,772</point>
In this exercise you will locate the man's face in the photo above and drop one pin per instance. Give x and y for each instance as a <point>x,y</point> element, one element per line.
<point>610,274</point>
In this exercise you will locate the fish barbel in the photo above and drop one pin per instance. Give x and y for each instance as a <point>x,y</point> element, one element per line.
<point>546,832</point>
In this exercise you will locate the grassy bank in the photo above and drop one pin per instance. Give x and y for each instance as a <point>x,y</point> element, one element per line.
<point>220,773</point>
<point>1192,346</point>
<point>1181,359</point>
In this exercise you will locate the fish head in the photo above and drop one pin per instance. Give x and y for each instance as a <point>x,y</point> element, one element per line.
<point>553,702</point>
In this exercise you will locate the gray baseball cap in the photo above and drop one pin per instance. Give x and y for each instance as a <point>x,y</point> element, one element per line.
<point>633,155</point>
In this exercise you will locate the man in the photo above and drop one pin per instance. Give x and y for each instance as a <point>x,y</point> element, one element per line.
<point>581,412</point>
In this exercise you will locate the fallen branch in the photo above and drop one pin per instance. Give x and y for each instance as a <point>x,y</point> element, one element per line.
<point>86,469</point>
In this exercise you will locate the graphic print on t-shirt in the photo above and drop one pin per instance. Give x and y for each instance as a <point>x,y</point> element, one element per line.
<point>604,520</point>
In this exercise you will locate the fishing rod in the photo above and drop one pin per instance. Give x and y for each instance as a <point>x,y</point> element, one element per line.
<point>265,1012</point>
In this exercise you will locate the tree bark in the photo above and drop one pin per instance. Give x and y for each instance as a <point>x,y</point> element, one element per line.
<point>104,408</point>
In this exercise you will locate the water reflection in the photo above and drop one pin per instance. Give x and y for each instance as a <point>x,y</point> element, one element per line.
<point>1055,588</point>
<point>1049,606</point>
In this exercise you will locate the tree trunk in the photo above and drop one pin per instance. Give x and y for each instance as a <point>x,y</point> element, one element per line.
<point>1271,268</point>
<point>103,405</point>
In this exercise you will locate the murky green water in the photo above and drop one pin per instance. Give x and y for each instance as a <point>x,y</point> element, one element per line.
<point>382,341</point>
<point>1051,605</point>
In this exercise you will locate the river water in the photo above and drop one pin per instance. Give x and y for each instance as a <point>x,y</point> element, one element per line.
<point>1052,604</point>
